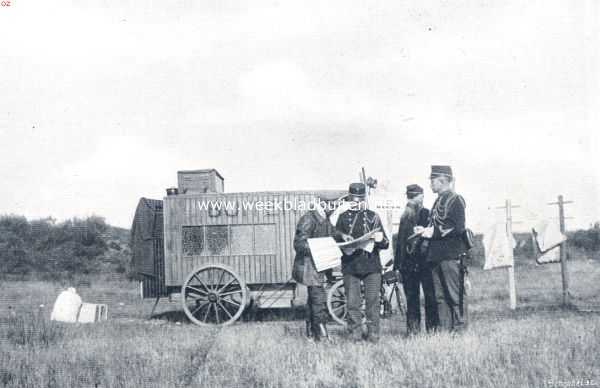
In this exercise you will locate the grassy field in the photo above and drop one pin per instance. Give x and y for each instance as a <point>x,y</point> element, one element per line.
<point>538,345</point>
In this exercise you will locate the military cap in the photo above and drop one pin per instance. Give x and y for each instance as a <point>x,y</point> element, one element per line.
<point>437,171</point>
<point>414,189</point>
<point>329,196</point>
<point>357,189</point>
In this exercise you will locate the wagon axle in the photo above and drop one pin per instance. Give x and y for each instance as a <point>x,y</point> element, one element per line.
<point>213,298</point>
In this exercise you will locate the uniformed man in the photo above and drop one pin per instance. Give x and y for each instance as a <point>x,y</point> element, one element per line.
<point>359,265</point>
<point>410,256</point>
<point>447,250</point>
<point>315,223</point>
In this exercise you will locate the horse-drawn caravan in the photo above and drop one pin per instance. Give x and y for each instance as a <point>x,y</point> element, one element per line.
<point>221,252</point>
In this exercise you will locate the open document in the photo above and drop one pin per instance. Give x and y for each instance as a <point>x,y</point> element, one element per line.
<point>364,242</point>
<point>326,251</point>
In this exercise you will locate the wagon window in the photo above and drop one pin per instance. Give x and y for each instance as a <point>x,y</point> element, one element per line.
<point>217,239</point>
<point>192,240</point>
<point>264,239</point>
<point>241,239</point>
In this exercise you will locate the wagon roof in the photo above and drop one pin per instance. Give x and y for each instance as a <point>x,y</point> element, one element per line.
<point>201,171</point>
<point>296,192</point>
<point>148,219</point>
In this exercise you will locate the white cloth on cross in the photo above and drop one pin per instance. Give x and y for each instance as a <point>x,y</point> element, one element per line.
<point>547,235</point>
<point>498,247</point>
<point>546,238</point>
<point>551,256</point>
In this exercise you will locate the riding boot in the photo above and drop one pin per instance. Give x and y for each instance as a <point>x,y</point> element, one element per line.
<point>372,333</point>
<point>355,333</point>
<point>445,321</point>
<point>309,332</point>
<point>323,333</point>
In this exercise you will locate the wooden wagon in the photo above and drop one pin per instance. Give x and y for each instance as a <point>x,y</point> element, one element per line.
<point>219,251</point>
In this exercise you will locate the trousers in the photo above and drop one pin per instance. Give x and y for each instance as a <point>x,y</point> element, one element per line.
<point>412,282</point>
<point>316,305</point>
<point>450,295</point>
<point>372,287</point>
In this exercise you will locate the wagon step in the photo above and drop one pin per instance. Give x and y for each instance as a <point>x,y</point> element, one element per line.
<point>273,299</point>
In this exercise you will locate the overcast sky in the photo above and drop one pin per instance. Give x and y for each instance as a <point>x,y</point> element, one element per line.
<point>102,102</point>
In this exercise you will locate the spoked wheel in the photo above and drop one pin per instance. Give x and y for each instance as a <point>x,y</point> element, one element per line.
<point>393,300</point>
<point>214,295</point>
<point>336,302</point>
<point>400,299</point>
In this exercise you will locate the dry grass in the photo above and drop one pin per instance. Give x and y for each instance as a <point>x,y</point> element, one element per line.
<point>532,347</point>
<point>510,353</point>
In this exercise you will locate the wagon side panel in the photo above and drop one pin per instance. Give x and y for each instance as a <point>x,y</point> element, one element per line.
<point>254,240</point>
<point>246,239</point>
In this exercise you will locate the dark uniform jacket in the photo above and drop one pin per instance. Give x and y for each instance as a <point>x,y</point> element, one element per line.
<point>310,225</point>
<point>448,221</point>
<point>356,223</point>
<point>408,255</point>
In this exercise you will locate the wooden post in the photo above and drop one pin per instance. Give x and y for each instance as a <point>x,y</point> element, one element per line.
<point>512,288</point>
<point>563,249</point>
<point>511,270</point>
<point>363,179</point>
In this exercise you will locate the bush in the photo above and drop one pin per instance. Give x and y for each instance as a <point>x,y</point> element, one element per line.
<point>588,240</point>
<point>74,246</point>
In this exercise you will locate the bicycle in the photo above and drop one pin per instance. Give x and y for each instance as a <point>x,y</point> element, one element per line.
<point>390,291</point>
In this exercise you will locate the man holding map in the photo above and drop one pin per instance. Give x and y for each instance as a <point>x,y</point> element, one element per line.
<point>314,224</point>
<point>361,262</point>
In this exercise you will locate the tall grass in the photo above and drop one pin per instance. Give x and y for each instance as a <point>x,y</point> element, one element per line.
<point>108,355</point>
<point>31,329</point>
<point>534,346</point>
<point>512,353</point>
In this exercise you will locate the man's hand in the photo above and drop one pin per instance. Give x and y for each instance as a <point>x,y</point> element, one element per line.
<point>427,232</point>
<point>418,229</point>
<point>399,276</point>
<point>347,237</point>
<point>378,236</point>
<point>330,277</point>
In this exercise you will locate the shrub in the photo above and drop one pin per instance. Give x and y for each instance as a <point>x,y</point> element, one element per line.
<point>74,246</point>
<point>588,240</point>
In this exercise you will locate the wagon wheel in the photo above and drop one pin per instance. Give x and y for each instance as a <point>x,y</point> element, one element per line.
<point>336,302</point>
<point>213,295</point>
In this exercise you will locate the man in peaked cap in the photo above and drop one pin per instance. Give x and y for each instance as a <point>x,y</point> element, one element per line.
<point>447,249</point>
<point>359,265</point>
<point>410,256</point>
<point>315,223</point>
